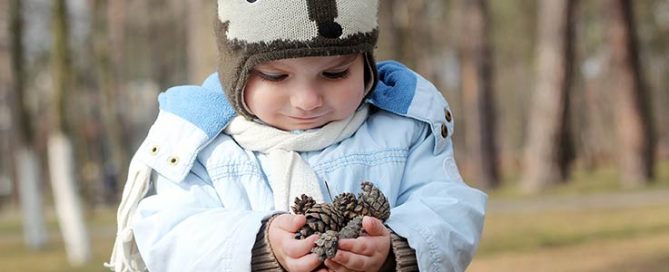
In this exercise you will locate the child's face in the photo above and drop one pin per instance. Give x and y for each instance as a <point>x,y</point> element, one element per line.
<point>305,93</point>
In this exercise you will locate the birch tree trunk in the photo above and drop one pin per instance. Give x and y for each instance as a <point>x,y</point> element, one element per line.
<point>543,161</point>
<point>477,88</point>
<point>66,198</point>
<point>28,170</point>
<point>30,193</point>
<point>60,155</point>
<point>635,129</point>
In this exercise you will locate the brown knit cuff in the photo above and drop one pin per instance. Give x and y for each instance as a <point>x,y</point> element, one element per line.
<point>262,257</point>
<point>404,255</point>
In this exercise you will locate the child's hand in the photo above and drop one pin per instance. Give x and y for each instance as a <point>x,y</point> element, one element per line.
<point>365,253</point>
<point>292,254</point>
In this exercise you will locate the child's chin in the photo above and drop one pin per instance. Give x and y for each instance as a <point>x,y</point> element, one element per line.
<point>304,126</point>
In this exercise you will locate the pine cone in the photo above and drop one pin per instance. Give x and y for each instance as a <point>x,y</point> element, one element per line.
<point>348,206</point>
<point>326,245</point>
<point>352,229</point>
<point>302,204</point>
<point>374,202</point>
<point>320,218</point>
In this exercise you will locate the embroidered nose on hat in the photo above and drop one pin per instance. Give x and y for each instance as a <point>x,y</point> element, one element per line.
<point>323,12</point>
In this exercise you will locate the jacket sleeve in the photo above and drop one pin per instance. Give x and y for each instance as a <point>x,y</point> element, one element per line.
<point>450,212</point>
<point>184,227</point>
<point>263,259</point>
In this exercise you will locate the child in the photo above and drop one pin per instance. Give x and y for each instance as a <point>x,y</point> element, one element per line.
<point>298,106</point>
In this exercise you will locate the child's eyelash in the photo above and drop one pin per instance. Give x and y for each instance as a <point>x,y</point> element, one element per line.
<point>269,77</point>
<point>280,77</point>
<point>336,75</point>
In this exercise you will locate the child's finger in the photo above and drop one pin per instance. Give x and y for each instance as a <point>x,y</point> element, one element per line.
<point>298,248</point>
<point>305,263</point>
<point>334,266</point>
<point>374,227</point>
<point>297,223</point>
<point>359,246</point>
<point>289,223</point>
<point>350,260</point>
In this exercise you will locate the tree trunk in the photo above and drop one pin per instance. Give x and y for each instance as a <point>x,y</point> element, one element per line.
<point>28,170</point>
<point>172,67</point>
<point>401,24</point>
<point>387,46</point>
<point>107,81</point>
<point>61,160</point>
<point>66,198</point>
<point>635,129</point>
<point>202,53</point>
<point>6,166</point>
<point>116,14</point>
<point>548,111</point>
<point>477,88</point>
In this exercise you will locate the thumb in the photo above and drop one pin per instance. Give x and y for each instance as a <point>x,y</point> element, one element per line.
<point>298,222</point>
<point>374,226</point>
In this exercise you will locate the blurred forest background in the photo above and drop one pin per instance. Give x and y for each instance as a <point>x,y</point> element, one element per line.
<point>561,111</point>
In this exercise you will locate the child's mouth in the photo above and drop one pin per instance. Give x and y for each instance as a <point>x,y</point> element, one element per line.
<point>306,118</point>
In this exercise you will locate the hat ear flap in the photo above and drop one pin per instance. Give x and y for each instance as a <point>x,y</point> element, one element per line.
<point>371,74</point>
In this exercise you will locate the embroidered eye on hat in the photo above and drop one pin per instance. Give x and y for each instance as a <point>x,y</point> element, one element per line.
<point>250,32</point>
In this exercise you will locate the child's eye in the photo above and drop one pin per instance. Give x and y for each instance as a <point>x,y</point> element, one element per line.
<point>336,75</point>
<point>271,77</point>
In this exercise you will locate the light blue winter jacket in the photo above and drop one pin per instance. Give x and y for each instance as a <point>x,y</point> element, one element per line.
<point>211,195</point>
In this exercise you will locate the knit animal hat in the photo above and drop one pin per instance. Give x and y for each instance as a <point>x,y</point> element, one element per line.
<point>250,32</point>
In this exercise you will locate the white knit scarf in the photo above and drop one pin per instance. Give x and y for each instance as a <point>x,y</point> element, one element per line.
<point>290,176</point>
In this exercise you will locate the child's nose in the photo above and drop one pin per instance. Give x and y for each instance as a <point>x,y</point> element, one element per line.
<point>306,99</point>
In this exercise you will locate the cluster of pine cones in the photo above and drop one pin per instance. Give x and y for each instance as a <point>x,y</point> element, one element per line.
<point>340,220</point>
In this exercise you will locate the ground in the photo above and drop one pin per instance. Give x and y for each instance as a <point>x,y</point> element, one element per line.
<point>617,231</point>
<point>623,231</point>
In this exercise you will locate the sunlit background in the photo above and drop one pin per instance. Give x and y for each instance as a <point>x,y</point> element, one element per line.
<point>561,110</point>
